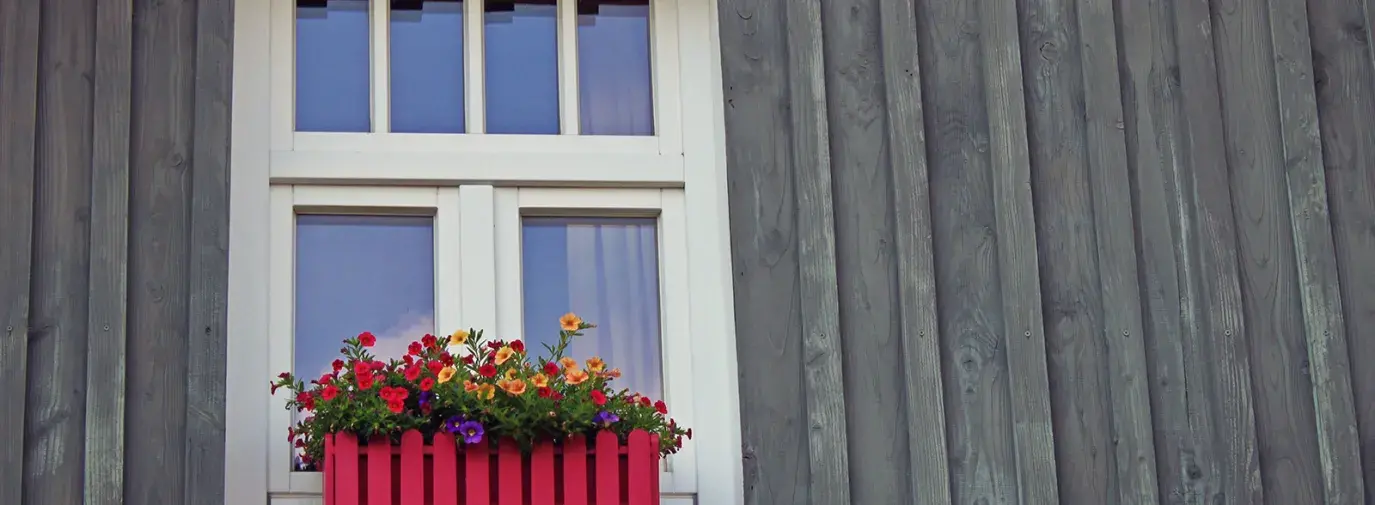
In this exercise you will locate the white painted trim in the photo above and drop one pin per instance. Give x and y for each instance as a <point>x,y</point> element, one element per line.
<point>569,99</point>
<point>448,236</point>
<point>667,74</point>
<point>474,56</point>
<point>580,200</point>
<point>379,23</point>
<point>392,143</point>
<point>478,262</point>
<point>281,307</point>
<point>504,169</point>
<point>282,70</point>
<point>400,198</point>
<point>510,316</point>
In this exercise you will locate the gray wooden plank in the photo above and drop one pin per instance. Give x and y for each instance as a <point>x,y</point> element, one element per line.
<point>1161,187</point>
<point>764,253</point>
<point>55,423</point>
<point>1222,416</point>
<point>865,258</point>
<point>19,40</point>
<point>1284,427</point>
<point>916,291</point>
<point>1315,255</point>
<point>209,255</point>
<point>1123,329</point>
<point>1076,350</point>
<point>811,167</point>
<point>978,417</point>
<point>163,104</point>
<point>1018,277</point>
<point>1345,88</point>
<point>109,247</point>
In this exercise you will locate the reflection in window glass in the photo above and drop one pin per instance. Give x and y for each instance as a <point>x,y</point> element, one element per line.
<point>427,66</point>
<point>522,66</point>
<point>332,66</point>
<point>614,86</point>
<point>606,271</point>
<point>361,273</point>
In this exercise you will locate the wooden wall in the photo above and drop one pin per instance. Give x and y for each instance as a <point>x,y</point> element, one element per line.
<point>1053,251</point>
<point>114,147</point>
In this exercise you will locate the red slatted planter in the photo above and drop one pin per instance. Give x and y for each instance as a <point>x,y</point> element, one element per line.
<point>572,473</point>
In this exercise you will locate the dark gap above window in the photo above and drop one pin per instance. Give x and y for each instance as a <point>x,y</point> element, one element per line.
<point>510,5</point>
<point>593,7</point>
<point>415,5</point>
<point>311,3</point>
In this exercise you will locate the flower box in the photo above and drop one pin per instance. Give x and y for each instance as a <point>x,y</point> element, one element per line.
<point>605,472</point>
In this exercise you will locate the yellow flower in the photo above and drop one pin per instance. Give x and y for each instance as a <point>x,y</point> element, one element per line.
<point>510,374</point>
<point>459,337</point>
<point>569,363</point>
<point>570,322</point>
<point>513,387</point>
<point>447,374</point>
<point>574,376</point>
<point>469,386</point>
<point>486,392</point>
<point>595,364</point>
<point>540,380</point>
<point>504,354</point>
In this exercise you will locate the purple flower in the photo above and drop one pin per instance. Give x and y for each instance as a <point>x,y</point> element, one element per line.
<point>452,424</point>
<point>426,397</point>
<point>471,431</point>
<point>605,418</point>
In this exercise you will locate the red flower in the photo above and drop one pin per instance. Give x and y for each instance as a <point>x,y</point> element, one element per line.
<point>310,403</point>
<point>361,368</point>
<point>414,348</point>
<point>598,398</point>
<point>426,384</point>
<point>551,369</point>
<point>284,375</point>
<point>324,378</point>
<point>412,373</point>
<point>659,406</point>
<point>365,381</point>
<point>495,344</point>
<point>545,392</point>
<point>487,370</point>
<point>644,401</point>
<point>558,396</point>
<point>446,358</point>
<point>396,406</point>
<point>367,339</point>
<point>428,340</point>
<point>517,345</point>
<point>689,433</point>
<point>408,359</point>
<point>338,365</point>
<point>468,359</point>
<point>378,365</point>
<point>330,392</point>
<point>302,397</point>
<point>274,388</point>
<point>435,366</point>
<point>300,444</point>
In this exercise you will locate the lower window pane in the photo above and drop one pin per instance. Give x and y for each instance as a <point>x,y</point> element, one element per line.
<point>606,271</point>
<point>361,273</point>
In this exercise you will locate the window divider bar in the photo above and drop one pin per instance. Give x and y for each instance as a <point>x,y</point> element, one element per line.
<point>448,230</point>
<point>569,121</point>
<point>478,262</point>
<point>380,22</point>
<point>474,57</point>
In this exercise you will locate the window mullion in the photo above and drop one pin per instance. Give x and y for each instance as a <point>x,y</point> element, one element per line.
<point>569,122</point>
<point>477,261</point>
<point>448,250</point>
<point>379,19</point>
<point>474,80</point>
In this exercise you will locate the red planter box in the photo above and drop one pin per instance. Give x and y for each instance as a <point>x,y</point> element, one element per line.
<point>571,473</point>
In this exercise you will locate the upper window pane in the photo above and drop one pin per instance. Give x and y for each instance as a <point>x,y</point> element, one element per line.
<point>521,66</point>
<point>427,66</point>
<point>606,271</point>
<point>614,83</point>
<point>361,273</point>
<point>332,66</point>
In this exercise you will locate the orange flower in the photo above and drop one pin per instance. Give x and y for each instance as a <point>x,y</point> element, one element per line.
<point>447,374</point>
<point>570,322</point>
<point>514,388</point>
<point>504,354</point>
<point>459,337</point>
<point>568,363</point>
<point>486,392</point>
<point>595,364</point>
<point>574,376</point>
<point>540,380</point>
<point>510,375</point>
<point>469,386</point>
<point>614,373</point>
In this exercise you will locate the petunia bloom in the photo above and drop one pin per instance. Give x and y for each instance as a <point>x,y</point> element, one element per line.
<point>367,339</point>
<point>539,380</point>
<point>428,341</point>
<point>446,374</point>
<point>513,387</point>
<point>568,363</point>
<point>595,364</point>
<point>459,337</point>
<point>574,376</point>
<point>598,398</point>
<point>605,418</point>
<point>486,391</point>
<point>487,370</point>
<point>504,354</point>
<point>570,322</point>
<point>469,386</point>
<point>517,345</point>
<point>471,431</point>
<point>551,368</point>
<point>329,392</point>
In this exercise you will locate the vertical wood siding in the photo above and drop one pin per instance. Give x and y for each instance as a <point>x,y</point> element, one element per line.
<point>1053,251</point>
<point>114,144</point>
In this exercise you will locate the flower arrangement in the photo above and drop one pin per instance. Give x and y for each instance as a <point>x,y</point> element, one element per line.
<point>493,391</point>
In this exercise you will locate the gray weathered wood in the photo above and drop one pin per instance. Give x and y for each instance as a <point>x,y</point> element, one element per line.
<point>1318,279</point>
<point>19,39</point>
<point>163,76</point>
<point>54,427</point>
<point>811,167</point>
<point>1345,88</point>
<point>109,243</point>
<point>209,255</point>
<point>1018,278</point>
<point>918,318</point>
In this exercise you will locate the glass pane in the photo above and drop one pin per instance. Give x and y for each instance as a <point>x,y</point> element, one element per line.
<point>332,66</point>
<point>427,66</point>
<point>522,66</point>
<point>606,271</point>
<point>361,273</point>
<point>614,85</point>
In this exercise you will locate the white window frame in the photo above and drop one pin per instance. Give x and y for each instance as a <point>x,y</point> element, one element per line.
<point>477,174</point>
<point>427,157</point>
